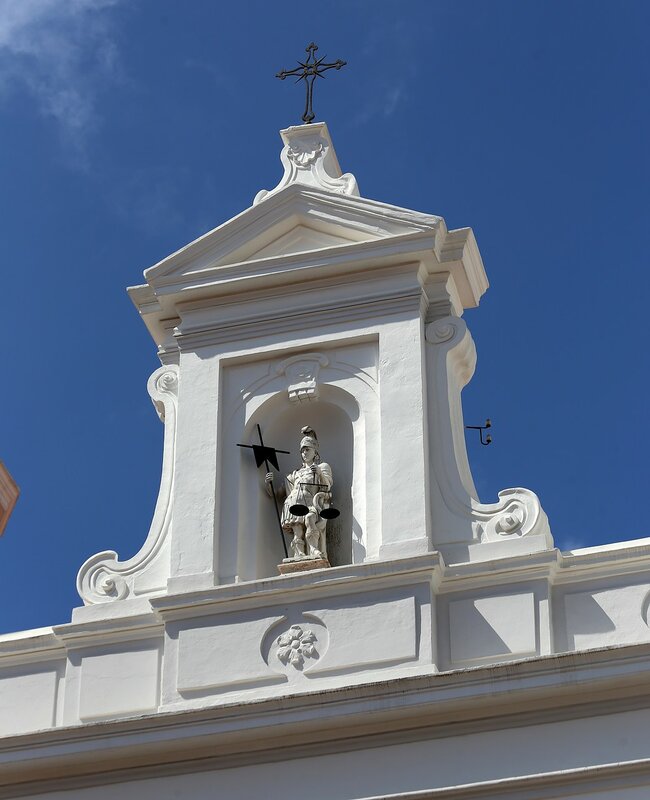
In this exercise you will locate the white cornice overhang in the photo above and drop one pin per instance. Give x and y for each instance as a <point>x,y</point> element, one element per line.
<point>220,265</point>
<point>518,693</point>
<point>299,587</point>
<point>604,562</point>
<point>41,644</point>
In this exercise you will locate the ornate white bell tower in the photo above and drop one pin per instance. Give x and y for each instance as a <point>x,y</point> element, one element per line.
<point>314,310</point>
<point>314,306</point>
<point>333,325</point>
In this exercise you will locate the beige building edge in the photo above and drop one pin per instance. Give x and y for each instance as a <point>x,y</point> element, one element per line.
<point>450,651</point>
<point>9,493</point>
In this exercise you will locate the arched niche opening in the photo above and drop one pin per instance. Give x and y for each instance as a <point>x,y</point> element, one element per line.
<point>332,416</point>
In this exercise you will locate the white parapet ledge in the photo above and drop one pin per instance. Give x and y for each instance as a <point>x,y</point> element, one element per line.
<point>640,545</point>
<point>603,561</point>
<point>32,646</point>
<point>308,585</point>
<point>143,618</point>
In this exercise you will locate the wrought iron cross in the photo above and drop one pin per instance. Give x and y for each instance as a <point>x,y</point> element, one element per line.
<point>308,71</point>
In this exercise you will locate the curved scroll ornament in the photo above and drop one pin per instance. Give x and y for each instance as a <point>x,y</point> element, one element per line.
<point>307,159</point>
<point>103,578</point>
<point>518,512</point>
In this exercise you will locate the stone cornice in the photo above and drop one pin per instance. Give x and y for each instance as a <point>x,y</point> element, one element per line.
<point>604,561</point>
<point>511,570</point>
<point>40,645</point>
<point>220,246</point>
<point>263,273</point>
<point>144,617</point>
<point>454,703</point>
<point>360,236</point>
<point>317,583</point>
<point>325,304</point>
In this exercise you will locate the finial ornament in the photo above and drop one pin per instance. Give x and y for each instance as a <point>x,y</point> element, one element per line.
<point>308,71</point>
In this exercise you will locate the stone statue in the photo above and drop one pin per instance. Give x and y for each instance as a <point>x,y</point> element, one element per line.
<point>310,485</point>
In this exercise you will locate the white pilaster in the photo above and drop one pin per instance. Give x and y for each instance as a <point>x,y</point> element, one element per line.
<point>403,462</point>
<point>193,543</point>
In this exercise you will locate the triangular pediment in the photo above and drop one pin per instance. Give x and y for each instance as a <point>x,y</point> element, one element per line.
<point>295,220</point>
<point>312,232</point>
<point>300,239</point>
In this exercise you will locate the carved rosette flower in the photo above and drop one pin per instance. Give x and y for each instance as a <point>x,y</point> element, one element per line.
<point>295,645</point>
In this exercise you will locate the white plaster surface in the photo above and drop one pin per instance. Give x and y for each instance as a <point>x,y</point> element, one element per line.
<point>219,653</point>
<point>28,697</point>
<point>492,626</point>
<point>608,616</point>
<point>225,656</point>
<point>117,682</point>
<point>368,632</point>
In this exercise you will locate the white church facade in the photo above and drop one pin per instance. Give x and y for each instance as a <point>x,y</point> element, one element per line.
<point>350,622</point>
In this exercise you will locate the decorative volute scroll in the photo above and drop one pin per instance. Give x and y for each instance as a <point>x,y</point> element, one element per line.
<point>451,356</point>
<point>518,513</point>
<point>309,159</point>
<point>103,577</point>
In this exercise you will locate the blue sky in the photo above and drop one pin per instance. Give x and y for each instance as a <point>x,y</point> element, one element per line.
<point>130,127</point>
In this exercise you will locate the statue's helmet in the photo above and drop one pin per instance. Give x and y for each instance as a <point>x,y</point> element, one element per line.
<point>309,438</point>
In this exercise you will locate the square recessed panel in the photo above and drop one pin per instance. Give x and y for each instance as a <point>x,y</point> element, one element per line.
<point>368,631</point>
<point>500,625</point>
<point>602,617</point>
<point>119,682</point>
<point>224,651</point>
<point>27,699</point>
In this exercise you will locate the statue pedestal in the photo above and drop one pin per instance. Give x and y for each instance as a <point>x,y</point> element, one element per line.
<point>290,565</point>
